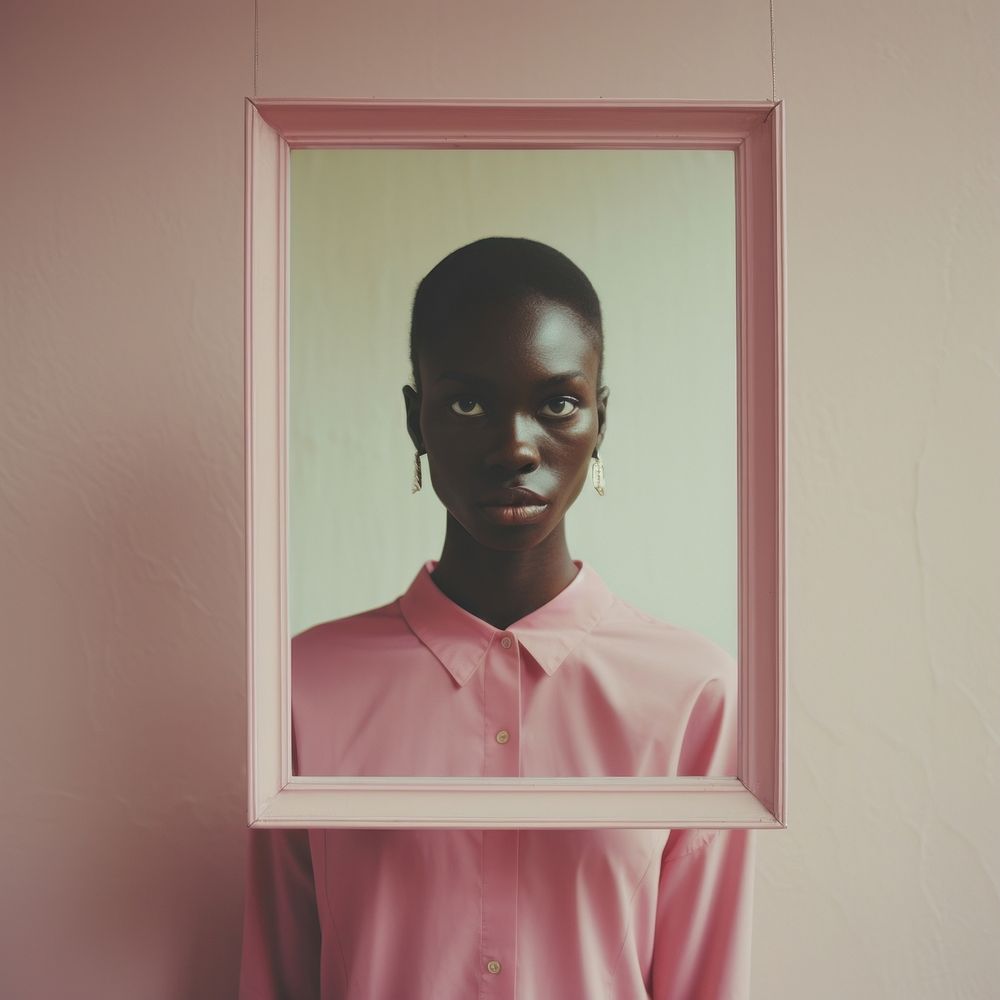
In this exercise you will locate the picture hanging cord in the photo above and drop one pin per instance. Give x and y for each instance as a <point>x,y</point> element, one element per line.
<point>256,46</point>
<point>772,51</point>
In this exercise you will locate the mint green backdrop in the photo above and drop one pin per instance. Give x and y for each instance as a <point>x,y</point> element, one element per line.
<point>655,232</point>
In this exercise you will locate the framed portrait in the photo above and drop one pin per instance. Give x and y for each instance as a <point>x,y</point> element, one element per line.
<point>675,213</point>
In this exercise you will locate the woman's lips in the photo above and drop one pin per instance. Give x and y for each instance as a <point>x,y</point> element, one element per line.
<point>521,513</point>
<point>514,505</point>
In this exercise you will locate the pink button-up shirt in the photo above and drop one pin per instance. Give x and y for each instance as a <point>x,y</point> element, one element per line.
<point>585,685</point>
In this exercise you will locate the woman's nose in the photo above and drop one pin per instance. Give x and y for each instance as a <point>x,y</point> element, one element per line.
<point>516,446</point>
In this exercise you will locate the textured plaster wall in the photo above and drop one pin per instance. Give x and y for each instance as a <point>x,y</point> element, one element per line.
<point>121,511</point>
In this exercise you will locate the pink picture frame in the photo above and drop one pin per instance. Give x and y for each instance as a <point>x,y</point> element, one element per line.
<point>756,796</point>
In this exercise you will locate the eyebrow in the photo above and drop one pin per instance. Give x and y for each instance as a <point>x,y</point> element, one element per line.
<point>541,383</point>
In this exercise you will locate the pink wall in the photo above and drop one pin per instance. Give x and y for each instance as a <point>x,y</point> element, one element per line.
<point>121,472</point>
<point>122,508</point>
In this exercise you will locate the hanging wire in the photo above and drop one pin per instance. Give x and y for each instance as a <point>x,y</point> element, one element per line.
<point>256,44</point>
<point>772,52</point>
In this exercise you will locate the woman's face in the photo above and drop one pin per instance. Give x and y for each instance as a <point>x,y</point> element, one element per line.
<point>509,399</point>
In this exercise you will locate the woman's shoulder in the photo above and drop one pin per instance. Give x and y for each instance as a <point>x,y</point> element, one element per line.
<point>658,640</point>
<point>382,621</point>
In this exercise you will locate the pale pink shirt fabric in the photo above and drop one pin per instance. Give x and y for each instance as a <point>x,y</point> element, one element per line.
<point>586,685</point>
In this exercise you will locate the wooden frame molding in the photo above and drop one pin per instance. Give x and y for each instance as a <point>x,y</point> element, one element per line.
<point>756,796</point>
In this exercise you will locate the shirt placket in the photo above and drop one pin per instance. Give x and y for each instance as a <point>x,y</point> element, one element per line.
<point>502,735</point>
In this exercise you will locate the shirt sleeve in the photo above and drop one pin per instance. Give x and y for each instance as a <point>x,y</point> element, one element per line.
<point>281,931</point>
<point>701,947</point>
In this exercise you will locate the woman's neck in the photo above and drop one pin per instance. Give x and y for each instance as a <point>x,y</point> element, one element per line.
<point>499,586</point>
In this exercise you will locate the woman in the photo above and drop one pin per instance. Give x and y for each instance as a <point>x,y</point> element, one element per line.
<point>504,657</point>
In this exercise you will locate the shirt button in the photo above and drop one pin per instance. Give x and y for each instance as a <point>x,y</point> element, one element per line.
<point>506,642</point>
<point>493,967</point>
<point>503,736</point>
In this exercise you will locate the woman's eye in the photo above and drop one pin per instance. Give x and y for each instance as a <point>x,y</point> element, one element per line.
<point>465,405</point>
<point>562,407</point>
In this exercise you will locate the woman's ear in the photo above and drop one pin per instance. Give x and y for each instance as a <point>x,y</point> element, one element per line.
<point>602,415</point>
<point>411,400</point>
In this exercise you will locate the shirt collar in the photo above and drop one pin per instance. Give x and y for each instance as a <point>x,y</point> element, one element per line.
<point>460,640</point>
